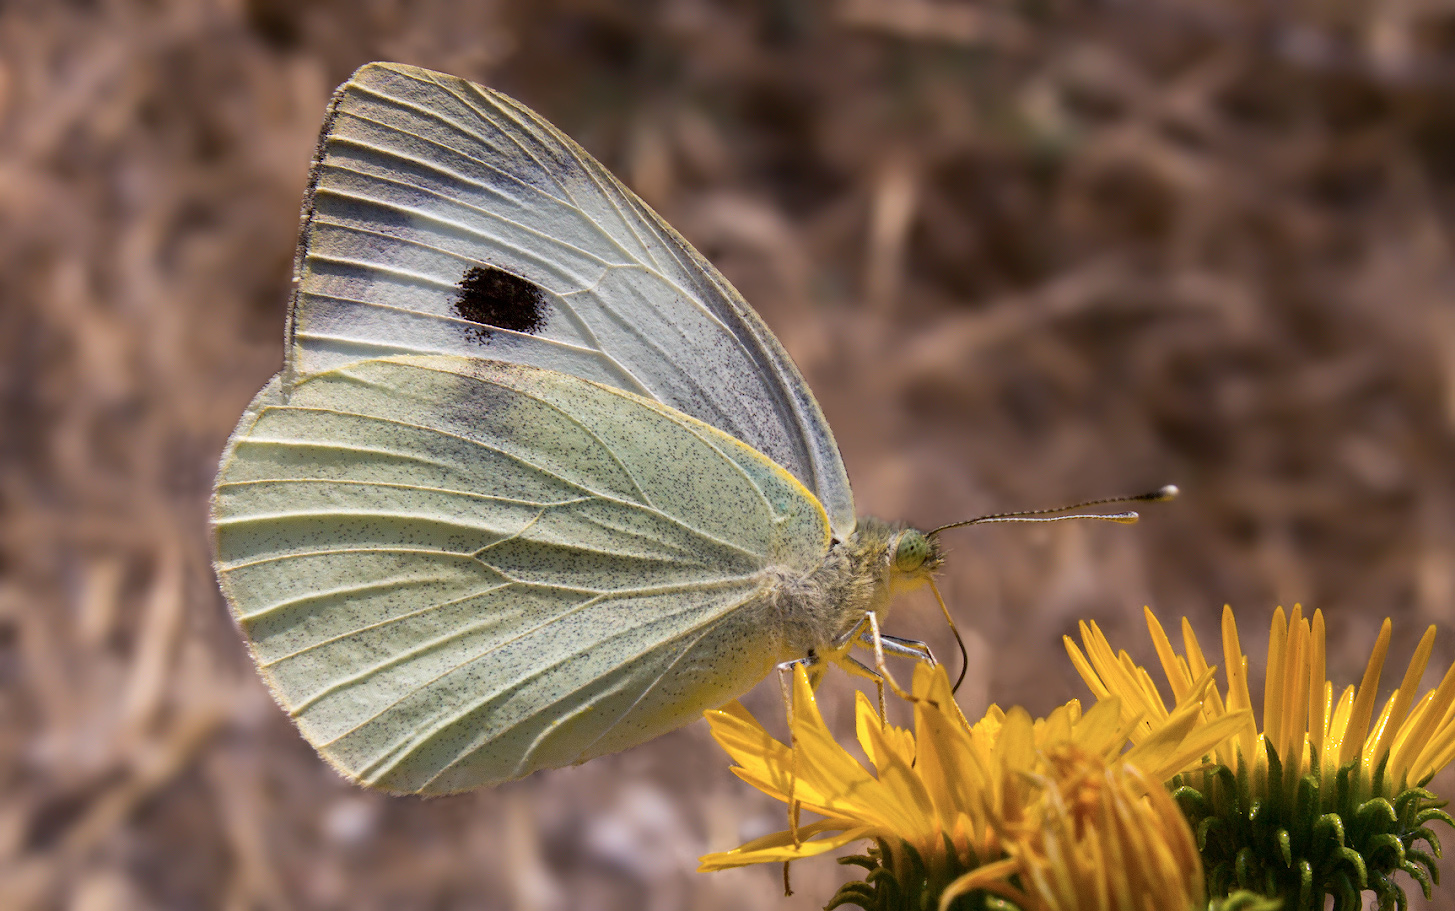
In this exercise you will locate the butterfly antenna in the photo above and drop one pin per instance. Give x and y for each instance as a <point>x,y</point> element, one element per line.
<point>1160,495</point>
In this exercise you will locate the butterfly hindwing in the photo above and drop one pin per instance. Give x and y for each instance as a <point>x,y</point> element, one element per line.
<point>453,572</point>
<point>444,217</point>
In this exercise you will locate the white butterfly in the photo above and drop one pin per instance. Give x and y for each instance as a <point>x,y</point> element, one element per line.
<point>535,483</point>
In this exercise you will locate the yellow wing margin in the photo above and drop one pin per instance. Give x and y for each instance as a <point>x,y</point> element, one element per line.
<point>453,572</point>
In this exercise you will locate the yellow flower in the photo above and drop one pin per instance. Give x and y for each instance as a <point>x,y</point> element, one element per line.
<point>1321,802</point>
<point>1095,836</point>
<point>1302,724</point>
<point>957,795</point>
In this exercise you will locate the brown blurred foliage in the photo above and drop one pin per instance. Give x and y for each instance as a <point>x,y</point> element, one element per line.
<point>1025,250</point>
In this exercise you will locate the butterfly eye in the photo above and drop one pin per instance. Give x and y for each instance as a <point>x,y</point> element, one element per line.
<point>911,552</point>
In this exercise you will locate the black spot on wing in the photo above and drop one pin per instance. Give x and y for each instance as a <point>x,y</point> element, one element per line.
<point>493,298</point>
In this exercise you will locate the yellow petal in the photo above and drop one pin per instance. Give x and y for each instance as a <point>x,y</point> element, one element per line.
<point>1405,695</point>
<point>1325,744</point>
<point>1294,710</point>
<point>846,787</point>
<point>1056,727</point>
<point>1358,726</point>
<point>1435,756</point>
<point>776,783</point>
<point>780,846</point>
<point>1368,760</point>
<point>1176,673</point>
<point>1421,769</point>
<point>1084,668</point>
<point>1196,662</point>
<point>1119,676</point>
<point>1317,684</point>
<point>1161,762</point>
<point>901,796</point>
<point>1404,746</point>
<point>1016,748</point>
<point>749,745</point>
<point>865,717</point>
<point>1339,725</point>
<point>1273,681</point>
<point>1235,667</point>
<point>951,762</point>
<point>1101,730</point>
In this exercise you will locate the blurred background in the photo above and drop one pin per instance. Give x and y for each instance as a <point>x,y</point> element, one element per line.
<point>1026,251</point>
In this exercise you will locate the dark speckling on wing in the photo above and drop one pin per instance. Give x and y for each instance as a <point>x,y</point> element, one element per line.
<point>454,571</point>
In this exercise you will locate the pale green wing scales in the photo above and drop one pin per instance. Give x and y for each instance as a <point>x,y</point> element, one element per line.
<point>421,177</point>
<point>454,572</point>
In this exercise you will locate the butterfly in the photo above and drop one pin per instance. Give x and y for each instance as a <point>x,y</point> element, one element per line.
<point>535,484</point>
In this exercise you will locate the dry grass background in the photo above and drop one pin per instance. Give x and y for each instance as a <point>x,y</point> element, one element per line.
<point>1025,251</point>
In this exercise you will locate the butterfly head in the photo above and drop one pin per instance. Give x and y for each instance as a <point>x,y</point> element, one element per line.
<point>914,557</point>
<point>914,552</point>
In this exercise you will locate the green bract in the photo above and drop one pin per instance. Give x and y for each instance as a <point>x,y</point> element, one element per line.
<point>1314,841</point>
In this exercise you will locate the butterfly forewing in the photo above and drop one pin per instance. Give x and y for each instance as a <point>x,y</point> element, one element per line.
<point>454,572</point>
<point>447,218</point>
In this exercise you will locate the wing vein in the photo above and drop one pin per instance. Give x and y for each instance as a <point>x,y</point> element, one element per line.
<point>393,759</point>
<point>492,649</point>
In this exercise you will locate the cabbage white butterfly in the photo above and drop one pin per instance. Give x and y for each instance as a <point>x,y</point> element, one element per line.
<point>535,484</point>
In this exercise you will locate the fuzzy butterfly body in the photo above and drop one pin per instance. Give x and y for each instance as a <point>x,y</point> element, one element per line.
<point>535,484</point>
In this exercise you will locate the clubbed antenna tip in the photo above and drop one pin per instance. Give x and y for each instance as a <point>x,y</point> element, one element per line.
<point>1160,495</point>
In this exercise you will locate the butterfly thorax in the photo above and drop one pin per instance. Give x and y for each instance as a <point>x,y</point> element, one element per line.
<point>863,573</point>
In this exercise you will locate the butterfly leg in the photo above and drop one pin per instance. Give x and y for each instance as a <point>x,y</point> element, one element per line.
<point>878,642</point>
<point>859,629</point>
<point>904,648</point>
<point>890,645</point>
<point>854,668</point>
<point>785,686</point>
<point>864,632</point>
